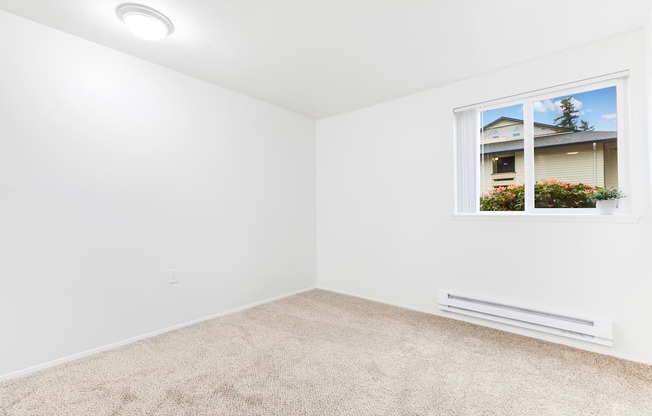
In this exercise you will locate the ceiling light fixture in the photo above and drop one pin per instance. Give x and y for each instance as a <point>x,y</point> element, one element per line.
<point>144,22</point>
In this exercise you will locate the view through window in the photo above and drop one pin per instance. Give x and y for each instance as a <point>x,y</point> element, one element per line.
<point>573,148</point>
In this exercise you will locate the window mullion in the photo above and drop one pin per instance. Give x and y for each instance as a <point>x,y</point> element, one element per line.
<point>479,178</point>
<point>528,155</point>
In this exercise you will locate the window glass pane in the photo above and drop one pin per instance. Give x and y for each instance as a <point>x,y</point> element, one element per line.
<point>501,159</point>
<point>575,148</point>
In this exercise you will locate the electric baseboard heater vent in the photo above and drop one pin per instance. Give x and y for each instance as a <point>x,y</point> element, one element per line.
<point>598,332</point>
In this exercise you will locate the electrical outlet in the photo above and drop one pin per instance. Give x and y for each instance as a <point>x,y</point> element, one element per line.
<point>174,276</point>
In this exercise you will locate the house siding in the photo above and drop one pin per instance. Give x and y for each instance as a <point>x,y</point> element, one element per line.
<point>611,165</point>
<point>555,163</point>
<point>504,131</point>
<point>584,167</point>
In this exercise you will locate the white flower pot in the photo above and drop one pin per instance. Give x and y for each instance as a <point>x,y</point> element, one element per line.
<point>606,206</point>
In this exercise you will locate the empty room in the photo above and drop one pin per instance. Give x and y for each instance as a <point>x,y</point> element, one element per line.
<point>300,207</point>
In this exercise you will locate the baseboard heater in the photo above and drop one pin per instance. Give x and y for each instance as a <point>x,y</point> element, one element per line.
<point>598,332</point>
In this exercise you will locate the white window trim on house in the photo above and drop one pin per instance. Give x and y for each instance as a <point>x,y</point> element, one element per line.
<point>464,187</point>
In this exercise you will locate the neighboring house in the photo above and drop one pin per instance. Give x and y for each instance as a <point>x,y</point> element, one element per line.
<point>588,157</point>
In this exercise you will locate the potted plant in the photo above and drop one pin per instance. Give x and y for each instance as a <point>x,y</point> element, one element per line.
<point>606,199</point>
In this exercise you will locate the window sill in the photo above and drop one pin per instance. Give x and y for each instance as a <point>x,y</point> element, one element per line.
<point>578,218</point>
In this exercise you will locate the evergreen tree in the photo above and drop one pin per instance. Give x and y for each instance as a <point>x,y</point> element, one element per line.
<point>569,115</point>
<point>584,126</point>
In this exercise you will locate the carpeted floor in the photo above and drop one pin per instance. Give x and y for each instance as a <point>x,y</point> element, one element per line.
<point>321,353</point>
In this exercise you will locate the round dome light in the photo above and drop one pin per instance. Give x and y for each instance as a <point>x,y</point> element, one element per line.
<point>145,22</point>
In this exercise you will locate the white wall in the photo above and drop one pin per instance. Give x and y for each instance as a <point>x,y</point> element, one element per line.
<point>385,229</point>
<point>648,56</point>
<point>114,170</point>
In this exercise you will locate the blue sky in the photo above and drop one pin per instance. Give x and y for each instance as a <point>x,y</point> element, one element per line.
<point>598,107</point>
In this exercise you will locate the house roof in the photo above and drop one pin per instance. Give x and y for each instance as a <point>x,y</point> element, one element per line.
<point>564,139</point>
<point>519,121</point>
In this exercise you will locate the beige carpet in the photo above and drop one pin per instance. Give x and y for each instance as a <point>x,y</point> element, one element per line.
<point>320,353</point>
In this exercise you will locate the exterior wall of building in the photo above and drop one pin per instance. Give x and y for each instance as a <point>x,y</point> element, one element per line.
<point>505,131</point>
<point>556,163</point>
<point>611,165</point>
<point>513,131</point>
<point>584,167</point>
<point>488,176</point>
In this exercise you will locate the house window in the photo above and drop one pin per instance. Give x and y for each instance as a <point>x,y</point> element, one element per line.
<point>569,146</point>
<point>504,164</point>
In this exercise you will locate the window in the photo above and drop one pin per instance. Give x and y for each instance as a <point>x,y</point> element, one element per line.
<point>541,153</point>
<point>504,164</point>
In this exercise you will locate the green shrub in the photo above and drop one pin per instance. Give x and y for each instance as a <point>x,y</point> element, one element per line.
<point>553,194</point>
<point>601,194</point>
<point>547,194</point>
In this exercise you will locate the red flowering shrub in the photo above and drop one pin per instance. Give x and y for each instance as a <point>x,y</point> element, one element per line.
<point>547,194</point>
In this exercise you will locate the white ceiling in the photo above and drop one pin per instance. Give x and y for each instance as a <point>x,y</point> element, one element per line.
<point>325,57</point>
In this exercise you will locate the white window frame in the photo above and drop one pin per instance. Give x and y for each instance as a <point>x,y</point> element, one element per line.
<point>618,80</point>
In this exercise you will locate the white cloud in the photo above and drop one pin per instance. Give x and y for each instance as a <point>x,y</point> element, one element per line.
<point>577,103</point>
<point>543,106</point>
<point>611,116</point>
<point>549,105</point>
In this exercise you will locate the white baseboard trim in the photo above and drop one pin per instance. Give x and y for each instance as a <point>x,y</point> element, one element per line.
<point>73,357</point>
<point>500,327</point>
